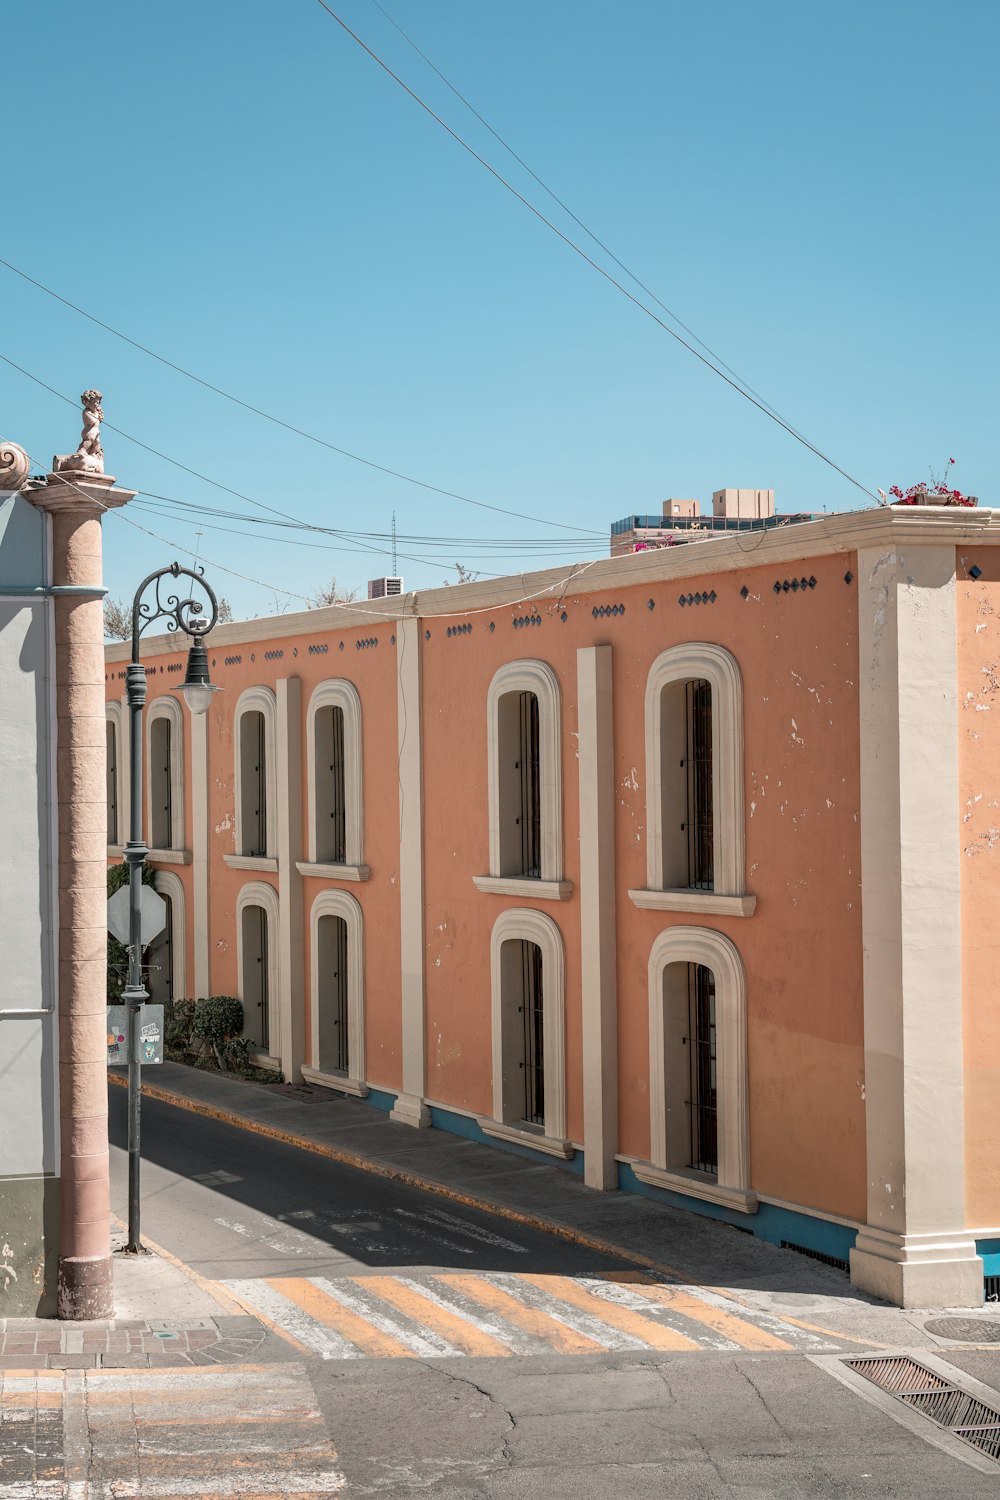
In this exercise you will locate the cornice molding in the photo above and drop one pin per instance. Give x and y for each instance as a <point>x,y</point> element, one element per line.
<point>885,526</point>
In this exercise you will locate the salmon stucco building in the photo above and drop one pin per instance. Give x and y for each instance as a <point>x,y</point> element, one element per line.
<point>680,869</point>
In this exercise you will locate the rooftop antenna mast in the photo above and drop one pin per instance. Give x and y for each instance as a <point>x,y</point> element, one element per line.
<point>394,544</point>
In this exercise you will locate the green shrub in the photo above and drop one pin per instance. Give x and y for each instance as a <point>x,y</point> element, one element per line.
<point>218,1019</point>
<point>207,1034</point>
<point>177,1018</point>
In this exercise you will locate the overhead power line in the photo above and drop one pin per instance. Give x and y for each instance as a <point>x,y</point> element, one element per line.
<point>267,416</point>
<point>282,516</point>
<point>576,219</point>
<point>595,265</point>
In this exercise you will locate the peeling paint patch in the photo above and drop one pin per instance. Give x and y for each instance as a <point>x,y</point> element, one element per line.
<point>985,844</point>
<point>225,825</point>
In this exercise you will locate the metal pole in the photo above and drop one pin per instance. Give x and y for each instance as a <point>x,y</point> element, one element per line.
<point>134,995</point>
<point>186,615</point>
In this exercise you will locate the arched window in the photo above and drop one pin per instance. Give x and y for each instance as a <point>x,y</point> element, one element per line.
<point>166,956</point>
<point>335,784</point>
<point>698,1104</point>
<point>256,784</point>
<point>528,970</point>
<point>338,992</point>
<point>165,775</point>
<point>695,835</point>
<point>115,774</point>
<point>257,963</point>
<point>525,783</point>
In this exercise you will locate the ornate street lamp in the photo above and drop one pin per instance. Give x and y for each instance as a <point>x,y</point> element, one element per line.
<point>190,616</point>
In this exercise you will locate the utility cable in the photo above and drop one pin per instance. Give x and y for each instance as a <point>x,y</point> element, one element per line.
<point>578,250</point>
<point>576,219</point>
<point>267,416</point>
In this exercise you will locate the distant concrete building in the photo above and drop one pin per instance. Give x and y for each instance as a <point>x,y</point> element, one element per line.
<point>384,588</point>
<point>682,521</point>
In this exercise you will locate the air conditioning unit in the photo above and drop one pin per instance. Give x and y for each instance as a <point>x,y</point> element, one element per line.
<point>384,588</point>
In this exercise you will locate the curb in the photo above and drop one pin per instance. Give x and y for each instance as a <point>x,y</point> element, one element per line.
<point>468,1200</point>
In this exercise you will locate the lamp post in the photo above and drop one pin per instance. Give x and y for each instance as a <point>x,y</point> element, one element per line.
<point>188,615</point>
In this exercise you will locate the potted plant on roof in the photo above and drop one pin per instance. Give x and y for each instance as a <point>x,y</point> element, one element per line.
<point>938,492</point>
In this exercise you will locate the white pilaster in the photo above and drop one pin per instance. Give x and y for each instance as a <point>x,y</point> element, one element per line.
<point>199,854</point>
<point>598,969</point>
<point>291,932</point>
<point>410,1107</point>
<point>916,1251</point>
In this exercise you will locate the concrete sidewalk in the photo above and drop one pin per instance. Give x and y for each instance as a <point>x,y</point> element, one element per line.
<point>164,1317</point>
<point>655,1235</point>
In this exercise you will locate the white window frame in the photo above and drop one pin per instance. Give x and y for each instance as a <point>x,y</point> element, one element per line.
<point>337,692</point>
<point>340,904</point>
<point>536,677</point>
<point>114,714</point>
<point>171,886</point>
<point>731,1185</point>
<point>263,701</point>
<point>521,924</point>
<point>700,660</point>
<point>260,893</point>
<point>169,709</point>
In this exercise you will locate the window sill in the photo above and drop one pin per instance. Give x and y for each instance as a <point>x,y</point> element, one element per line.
<point>696,1185</point>
<point>169,856</point>
<point>265,1060</point>
<point>547,1143</point>
<point>338,1081</point>
<point>333,872</point>
<point>116,851</point>
<point>708,903</point>
<point>250,862</point>
<point>524,886</point>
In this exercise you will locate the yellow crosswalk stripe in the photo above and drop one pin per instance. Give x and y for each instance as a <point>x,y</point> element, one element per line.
<point>407,1299</point>
<point>560,1339</point>
<point>303,1292</point>
<point>622,1318</point>
<point>741,1332</point>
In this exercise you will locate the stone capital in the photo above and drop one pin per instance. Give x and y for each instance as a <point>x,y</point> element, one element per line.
<point>82,492</point>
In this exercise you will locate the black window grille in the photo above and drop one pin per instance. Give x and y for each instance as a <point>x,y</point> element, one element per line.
<point>701,1042</point>
<point>530,819</point>
<point>264,987</point>
<point>255,793</point>
<point>166,748</point>
<point>161,809</point>
<point>338,800</point>
<point>533,1065</point>
<point>339,1027</point>
<point>698,765</point>
<point>112,776</point>
<point>160,959</point>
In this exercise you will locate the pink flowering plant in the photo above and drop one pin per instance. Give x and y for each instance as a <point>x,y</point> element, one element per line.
<point>938,492</point>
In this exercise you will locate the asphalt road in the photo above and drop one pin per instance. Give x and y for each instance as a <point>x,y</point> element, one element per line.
<point>682,1398</point>
<point>235,1205</point>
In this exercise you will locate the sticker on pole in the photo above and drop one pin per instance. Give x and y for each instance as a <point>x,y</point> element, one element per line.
<point>150,1035</point>
<point>152,915</point>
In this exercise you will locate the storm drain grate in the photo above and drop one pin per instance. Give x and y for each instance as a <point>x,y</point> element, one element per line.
<point>922,1390</point>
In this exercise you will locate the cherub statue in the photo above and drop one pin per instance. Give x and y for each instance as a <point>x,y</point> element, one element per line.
<point>93,416</point>
<point>89,456</point>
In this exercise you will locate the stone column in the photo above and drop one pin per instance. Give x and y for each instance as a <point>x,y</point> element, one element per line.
<point>598,967</point>
<point>76,503</point>
<point>915,1250</point>
<point>291,934</point>
<point>410,1107</point>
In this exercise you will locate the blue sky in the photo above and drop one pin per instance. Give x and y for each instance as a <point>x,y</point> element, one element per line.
<point>235,184</point>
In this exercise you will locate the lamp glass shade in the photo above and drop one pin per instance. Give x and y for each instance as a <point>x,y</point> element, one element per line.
<point>198,695</point>
<point>197,686</point>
